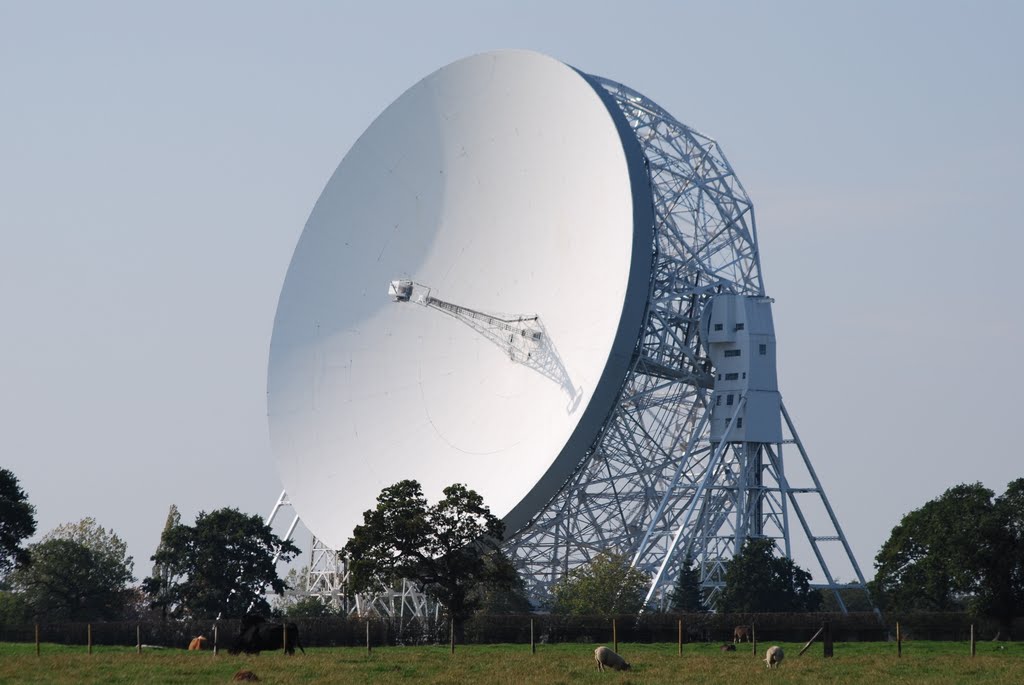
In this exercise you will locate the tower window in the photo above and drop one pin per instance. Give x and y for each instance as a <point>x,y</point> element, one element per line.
<point>739,422</point>
<point>718,401</point>
<point>732,376</point>
<point>732,353</point>
<point>728,400</point>
<point>740,327</point>
<point>763,349</point>
<point>718,326</point>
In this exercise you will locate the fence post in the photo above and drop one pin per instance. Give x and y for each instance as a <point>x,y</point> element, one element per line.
<point>533,642</point>
<point>615,636</point>
<point>899,640</point>
<point>973,645</point>
<point>680,637</point>
<point>451,632</point>
<point>828,638</point>
<point>138,637</point>
<point>88,635</point>
<point>37,639</point>
<point>368,648</point>
<point>284,635</point>
<point>215,639</point>
<point>753,639</point>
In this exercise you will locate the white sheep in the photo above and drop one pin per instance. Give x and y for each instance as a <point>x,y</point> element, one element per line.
<point>606,657</point>
<point>773,657</point>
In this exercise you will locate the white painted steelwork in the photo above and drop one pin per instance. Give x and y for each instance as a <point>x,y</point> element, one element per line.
<point>654,484</point>
<point>521,337</point>
<point>327,573</point>
<point>512,183</point>
<point>739,338</point>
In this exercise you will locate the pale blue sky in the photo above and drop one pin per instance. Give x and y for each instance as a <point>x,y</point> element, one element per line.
<point>158,161</point>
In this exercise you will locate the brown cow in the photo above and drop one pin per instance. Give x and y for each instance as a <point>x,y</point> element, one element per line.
<point>741,634</point>
<point>197,643</point>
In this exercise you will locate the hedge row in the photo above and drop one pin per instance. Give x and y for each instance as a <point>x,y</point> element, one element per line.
<point>546,628</point>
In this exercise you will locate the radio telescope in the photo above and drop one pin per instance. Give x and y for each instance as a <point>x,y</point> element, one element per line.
<point>538,283</point>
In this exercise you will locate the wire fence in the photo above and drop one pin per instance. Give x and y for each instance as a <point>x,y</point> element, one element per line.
<point>531,628</point>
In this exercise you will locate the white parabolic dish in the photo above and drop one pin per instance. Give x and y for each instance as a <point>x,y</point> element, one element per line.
<point>508,183</point>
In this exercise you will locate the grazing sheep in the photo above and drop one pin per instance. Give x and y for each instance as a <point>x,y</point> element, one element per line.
<point>606,657</point>
<point>246,677</point>
<point>741,634</point>
<point>197,643</point>
<point>773,657</point>
<point>728,648</point>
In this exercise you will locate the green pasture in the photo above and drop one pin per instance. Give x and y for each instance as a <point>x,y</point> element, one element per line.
<point>861,663</point>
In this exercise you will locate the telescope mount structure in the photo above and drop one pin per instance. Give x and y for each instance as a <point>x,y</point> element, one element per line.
<point>666,435</point>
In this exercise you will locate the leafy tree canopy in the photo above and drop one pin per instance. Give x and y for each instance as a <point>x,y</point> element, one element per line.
<point>449,549</point>
<point>963,549</point>
<point>607,586</point>
<point>14,610</point>
<point>688,595</point>
<point>17,521</point>
<point>310,607</point>
<point>105,545</point>
<point>219,566</point>
<point>501,597</point>
<point>69,580</point>
<point>758,581</point>
<point>1005,594</point>
<point>854,598</point>
<point>162,577</point>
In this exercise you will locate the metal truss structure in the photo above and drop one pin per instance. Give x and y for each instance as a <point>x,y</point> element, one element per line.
<point>522,337</point>
<point>326,575</point>
<point>653,485</point>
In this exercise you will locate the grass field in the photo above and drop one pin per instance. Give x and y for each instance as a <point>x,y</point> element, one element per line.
<point>861,663</point>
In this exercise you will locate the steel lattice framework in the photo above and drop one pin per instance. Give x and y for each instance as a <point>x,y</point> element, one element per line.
<point>653,485</point>
<point>327,575</point>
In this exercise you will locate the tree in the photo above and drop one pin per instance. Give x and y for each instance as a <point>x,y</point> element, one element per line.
<point>67,580</point>
<point>607,586</point>
<point>162,575</point>
<point>855,598</point>
<point>219,566</point>
<point>934,558</point>
<point>1005,589</point>
<point>310,607</point>
<point>758,581</point>
<point>106,546</point>
<point>961,550</point>
<point>448,549</point>
<point>14,609</point>
<point>688,595</point>
<point>497,598</point>
<point>17,522</point>
<point>79,571</point>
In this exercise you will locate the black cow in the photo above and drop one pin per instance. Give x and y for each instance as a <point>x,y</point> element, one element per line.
<point>258,635</point>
